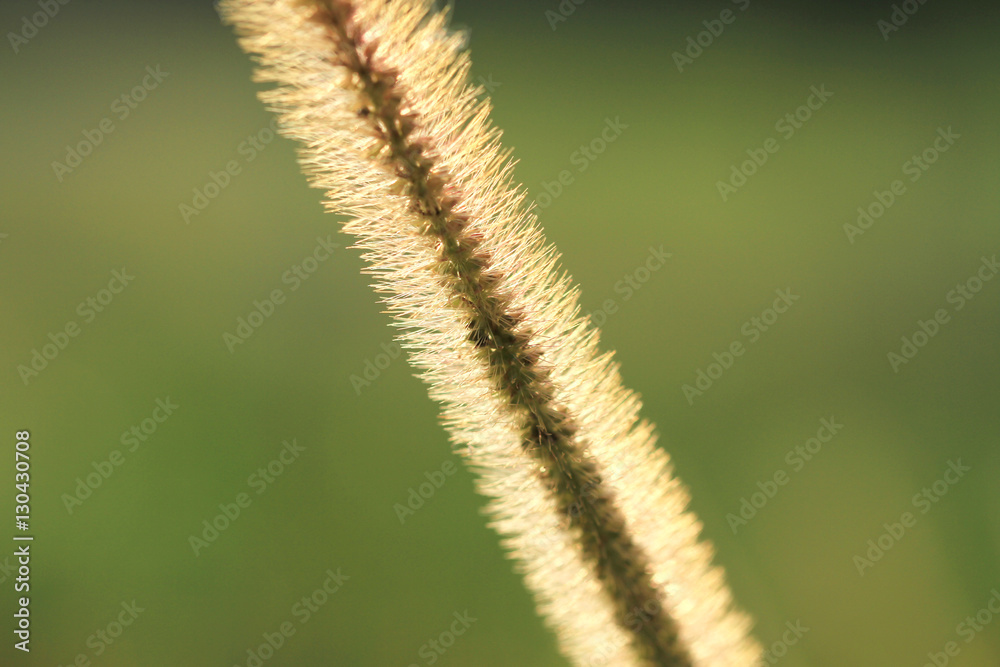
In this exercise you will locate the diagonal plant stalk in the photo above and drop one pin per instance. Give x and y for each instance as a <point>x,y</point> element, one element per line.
<point>376,94</point>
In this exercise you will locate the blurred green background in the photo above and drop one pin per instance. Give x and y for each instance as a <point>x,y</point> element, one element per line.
<point>363,450</point>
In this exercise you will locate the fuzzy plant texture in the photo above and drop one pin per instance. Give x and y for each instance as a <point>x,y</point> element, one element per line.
<point>375,92</point>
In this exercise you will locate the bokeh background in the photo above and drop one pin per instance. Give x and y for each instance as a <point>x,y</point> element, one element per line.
<point>554,84</point>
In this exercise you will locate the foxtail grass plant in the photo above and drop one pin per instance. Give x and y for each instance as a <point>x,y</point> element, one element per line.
<point>376,94</point>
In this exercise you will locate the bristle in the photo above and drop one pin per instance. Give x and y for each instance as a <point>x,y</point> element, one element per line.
<point>376,94</point>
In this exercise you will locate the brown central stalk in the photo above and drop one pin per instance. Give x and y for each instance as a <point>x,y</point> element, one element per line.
<point>497,331</point>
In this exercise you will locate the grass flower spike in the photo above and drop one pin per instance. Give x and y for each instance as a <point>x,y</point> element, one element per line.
<point>376,94</point>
